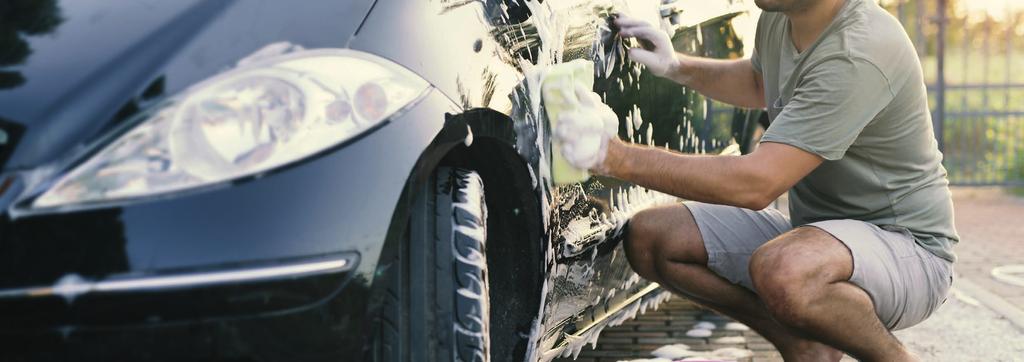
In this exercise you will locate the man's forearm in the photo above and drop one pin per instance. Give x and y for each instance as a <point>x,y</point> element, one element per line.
<point>730,81</point>
<point>725,180</point>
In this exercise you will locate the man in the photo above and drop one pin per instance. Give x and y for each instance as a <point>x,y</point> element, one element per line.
<point>868,248</point>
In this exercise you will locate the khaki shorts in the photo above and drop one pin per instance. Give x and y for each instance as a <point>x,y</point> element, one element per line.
<point>905,281</point>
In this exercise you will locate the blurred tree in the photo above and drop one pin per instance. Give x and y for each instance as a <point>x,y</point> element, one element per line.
<point>20,18</point>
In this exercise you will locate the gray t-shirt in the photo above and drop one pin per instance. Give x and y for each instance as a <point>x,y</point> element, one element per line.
<point>857,98</point>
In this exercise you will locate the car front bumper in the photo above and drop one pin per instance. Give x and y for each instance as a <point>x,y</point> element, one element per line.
<point>274,268</point>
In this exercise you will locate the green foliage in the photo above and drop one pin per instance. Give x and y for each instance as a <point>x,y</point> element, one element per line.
<point>18,19</point>
<point>984,138</point>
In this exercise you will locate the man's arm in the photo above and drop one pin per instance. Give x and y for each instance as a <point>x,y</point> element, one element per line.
<point>731,81</point>
<point>751,181</point>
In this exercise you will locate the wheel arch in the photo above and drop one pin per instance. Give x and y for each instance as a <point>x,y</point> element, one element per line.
<point>515,244</point>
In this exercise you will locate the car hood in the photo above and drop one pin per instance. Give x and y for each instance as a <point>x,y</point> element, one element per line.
<point>70,69</point>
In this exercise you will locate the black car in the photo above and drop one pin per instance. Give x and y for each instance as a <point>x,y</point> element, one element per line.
<point>325,179</point>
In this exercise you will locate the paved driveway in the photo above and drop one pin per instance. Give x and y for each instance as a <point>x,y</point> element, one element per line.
<point>976,324</point>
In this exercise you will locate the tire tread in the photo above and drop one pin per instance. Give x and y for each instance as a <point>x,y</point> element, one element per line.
<point>453,219</point>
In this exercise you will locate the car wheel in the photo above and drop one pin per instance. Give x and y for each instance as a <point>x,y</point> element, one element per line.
<point>435,306</point>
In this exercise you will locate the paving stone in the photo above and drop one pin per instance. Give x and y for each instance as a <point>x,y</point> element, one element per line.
<point>714,346</point>
<point>758,346</point>
<point>767,354</point>
<point>754,337</point>
<point>719,333</point>
<point>716,318</point>
<point>645,322</point>
<point>603,354</point>
<point>643,348</point>
<point>615,333</point>
<point>661,340</point>
<point>690,341</point>
<point>682,319</point>
<point>988,221</point>
<point>638,338</point>
<point>662,317</point>
<point>672,328</point>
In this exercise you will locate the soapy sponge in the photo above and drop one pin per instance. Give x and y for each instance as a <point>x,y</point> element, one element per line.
<point>559,83</point>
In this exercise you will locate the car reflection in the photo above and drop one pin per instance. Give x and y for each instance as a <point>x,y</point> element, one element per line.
<point>18,19</point>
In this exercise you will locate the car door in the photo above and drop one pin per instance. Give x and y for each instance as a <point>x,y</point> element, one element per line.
<point>588,282</point>
<point>592,284</point>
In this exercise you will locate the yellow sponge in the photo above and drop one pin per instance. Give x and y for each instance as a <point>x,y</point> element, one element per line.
<point>559,82</point>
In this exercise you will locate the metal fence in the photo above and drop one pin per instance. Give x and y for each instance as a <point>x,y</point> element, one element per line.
<point>972,52</point>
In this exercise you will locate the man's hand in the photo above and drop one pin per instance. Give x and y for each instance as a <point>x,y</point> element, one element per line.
<point>656,51</point>
<point>733,81</point>
<point>585,132</point>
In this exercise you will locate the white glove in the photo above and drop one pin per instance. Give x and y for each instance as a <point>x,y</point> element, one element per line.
<point>656,50</point>
<point>583,132</point>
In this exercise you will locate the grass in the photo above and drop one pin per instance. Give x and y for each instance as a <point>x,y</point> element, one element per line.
<point>972,66</point>
<point>984,140</point>
<point>984,150</point>
<point>980,147</point>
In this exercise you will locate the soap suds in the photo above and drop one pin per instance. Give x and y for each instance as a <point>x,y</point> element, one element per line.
<point>736,326</point>
<point>576,343</point>
<point>698,333</point>
<point>682,352</point>
<point>549,36</point>
<point>729,340</point>
<point>705,325</point>
<point>673,351</point>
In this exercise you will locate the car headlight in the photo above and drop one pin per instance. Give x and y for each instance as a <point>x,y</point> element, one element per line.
<point>241,123</point>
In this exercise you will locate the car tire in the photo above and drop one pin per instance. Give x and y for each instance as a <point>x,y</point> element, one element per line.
<point>435,305</point>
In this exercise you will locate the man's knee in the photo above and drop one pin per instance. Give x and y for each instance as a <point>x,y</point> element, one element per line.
<point>641,239</point>
<point>660,235</point>
<point>786,278</point>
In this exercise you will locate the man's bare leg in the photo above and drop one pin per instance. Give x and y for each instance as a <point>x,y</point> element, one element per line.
<point>802,277</point>
<point>665,246</point>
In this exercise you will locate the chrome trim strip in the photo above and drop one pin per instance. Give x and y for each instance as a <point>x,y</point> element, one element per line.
<point>71,286</point>
<point>622,305</point>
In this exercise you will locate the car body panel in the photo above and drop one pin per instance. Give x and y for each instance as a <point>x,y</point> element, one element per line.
<point>485,61</point>
<point>98,58</point>
<point>589,279</point>
<point>288,214</point>
<point>327,331</point>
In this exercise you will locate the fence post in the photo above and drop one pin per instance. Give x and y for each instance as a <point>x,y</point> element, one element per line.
<point>920,42</point>
<point>939,119</point>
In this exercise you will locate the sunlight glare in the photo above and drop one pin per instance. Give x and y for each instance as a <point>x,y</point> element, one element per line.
<point>998,10</point>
